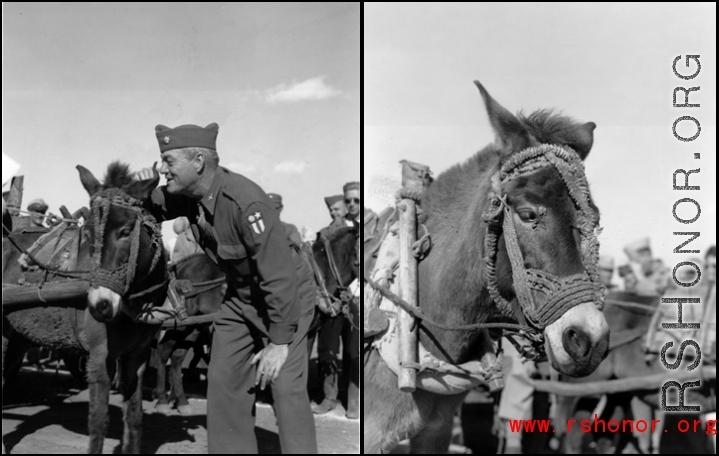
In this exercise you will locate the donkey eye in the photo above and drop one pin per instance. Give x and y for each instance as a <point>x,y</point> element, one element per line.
<point>124,232</point>
<point>528,216</point>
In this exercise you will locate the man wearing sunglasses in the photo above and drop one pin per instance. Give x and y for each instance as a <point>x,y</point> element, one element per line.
<point>352,201</point>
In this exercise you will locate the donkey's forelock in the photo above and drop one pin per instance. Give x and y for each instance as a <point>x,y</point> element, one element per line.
<point>118,175</point>
<point>548,127</point>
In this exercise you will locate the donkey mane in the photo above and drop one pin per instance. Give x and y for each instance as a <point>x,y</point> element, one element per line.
<point>549,127</point>
<point>118,175</point>
<point>339,233</point>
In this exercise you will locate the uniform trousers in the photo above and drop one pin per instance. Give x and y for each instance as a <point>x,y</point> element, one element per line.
<point>231,385</point>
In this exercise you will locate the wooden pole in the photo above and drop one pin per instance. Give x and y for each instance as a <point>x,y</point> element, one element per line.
<point>24,297</point>
<point>647,382</point>
<point>14,201</point>
<point>415,178</point>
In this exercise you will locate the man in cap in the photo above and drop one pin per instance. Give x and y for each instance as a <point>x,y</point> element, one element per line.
<point>338,211</point>
<point>648,273</point>
<point>640,253</point>
<point>38,206</point>
<point>270,292</point>
<point>293,235</point>
<point>606,270</point>
<point>336,206</point>
<point>630,279</point>
<point>351,192</point>
<point>333,327</point>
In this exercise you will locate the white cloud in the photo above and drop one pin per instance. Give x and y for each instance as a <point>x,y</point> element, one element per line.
<point>291,167</point>
<point>242,168</point>
<point>311,89</point>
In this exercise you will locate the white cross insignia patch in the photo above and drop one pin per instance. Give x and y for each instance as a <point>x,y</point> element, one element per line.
<point>256,222</point>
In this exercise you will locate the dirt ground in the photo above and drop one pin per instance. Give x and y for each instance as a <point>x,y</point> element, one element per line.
<point>46,412</point>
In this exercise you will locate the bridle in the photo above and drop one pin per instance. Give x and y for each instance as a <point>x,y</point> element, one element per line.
<point>333,304</point>
<point>561,293</point>
<point>121,279</point>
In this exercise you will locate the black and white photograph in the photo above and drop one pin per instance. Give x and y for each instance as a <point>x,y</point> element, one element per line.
<point>182,188</point>
<point>539,238</point>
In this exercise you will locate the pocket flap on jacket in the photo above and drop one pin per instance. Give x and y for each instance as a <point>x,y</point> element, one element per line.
<point>232,252</point>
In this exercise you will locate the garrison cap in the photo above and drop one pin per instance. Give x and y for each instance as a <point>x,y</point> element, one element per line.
<point>38,204</point>
<point>633,247</point>
<point>351,186</point>
<point>186,136</point>
<point>330,200</point>
<point>606,262</point>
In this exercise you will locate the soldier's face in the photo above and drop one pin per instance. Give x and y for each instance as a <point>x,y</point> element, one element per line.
<point>338,210</point>
<point>37,219</point>
<point>352,200</point>
<point>178,169</point>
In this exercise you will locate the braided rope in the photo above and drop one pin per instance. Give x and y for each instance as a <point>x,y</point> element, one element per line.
<point>121,279</point>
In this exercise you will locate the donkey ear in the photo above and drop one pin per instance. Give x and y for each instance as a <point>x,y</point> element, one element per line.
<point>141,189</point>
<point>583,138</point>
<point>91,184</point>
<point>509,130</point>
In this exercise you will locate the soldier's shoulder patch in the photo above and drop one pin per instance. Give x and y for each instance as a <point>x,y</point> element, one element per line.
<point>256,222</point>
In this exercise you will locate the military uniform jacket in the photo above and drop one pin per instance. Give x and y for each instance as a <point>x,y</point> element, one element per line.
<point>238,228</point>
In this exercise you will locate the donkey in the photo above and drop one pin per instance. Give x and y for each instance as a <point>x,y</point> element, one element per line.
<point>121,248</point>
<point>335,268</point>
<point>128,273</point>
<point>539,223</point>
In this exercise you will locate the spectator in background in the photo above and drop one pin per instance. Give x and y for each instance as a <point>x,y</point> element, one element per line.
<point>606,270</point>
<point>39,207</point>
<point>630,279</point>
<point>293,235</point>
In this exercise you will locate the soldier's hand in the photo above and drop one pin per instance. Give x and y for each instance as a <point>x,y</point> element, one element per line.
<point>271,358</point>
<point>146,173</point>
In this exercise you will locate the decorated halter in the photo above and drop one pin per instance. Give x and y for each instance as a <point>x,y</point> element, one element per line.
<point>561,293</point>
<point>121,279</point>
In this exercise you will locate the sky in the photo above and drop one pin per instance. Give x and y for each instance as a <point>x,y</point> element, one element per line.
<point>610,64</point>
<point>86,83</point>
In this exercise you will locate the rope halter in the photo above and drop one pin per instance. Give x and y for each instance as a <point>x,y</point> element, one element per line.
<point>121,279</point>
<point>561,293</point>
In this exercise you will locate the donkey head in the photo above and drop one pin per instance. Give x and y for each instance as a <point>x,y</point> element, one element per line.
<point>126,241</point>
<point>546,246</point>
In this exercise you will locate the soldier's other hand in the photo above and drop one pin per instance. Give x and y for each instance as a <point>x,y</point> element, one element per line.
<point>271,358</point>
<point>146,173</point>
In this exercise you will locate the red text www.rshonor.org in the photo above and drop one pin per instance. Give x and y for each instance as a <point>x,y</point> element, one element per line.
<point>598,425</point>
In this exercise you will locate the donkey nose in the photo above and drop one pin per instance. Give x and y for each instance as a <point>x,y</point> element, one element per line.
<point>103,306</point>
<point>576,343</point>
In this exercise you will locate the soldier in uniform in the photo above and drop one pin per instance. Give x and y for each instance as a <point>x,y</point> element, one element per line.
<point>642,264</point>
<point>352,201</point>
<point>260,333</point>
<point>333,327</point>
<point>338,211</point>
<point>39,206</point>
<point>606,270</point>
<point>290,230</point>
